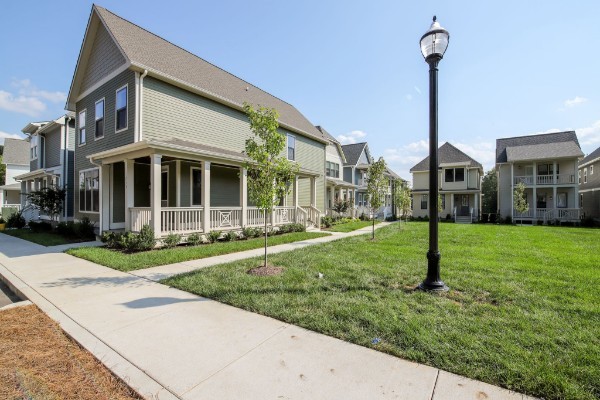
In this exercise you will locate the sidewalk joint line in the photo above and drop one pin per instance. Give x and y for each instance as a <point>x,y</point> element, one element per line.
<point>437,376</point>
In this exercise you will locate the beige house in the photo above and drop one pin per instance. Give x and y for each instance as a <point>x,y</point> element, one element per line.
<point>160,135</point>
<point>547,165</point>
<point>459,186</point>
<point>16,159</point>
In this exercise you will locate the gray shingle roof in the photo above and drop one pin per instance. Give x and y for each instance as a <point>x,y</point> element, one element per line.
<point>16,152</point>
<point>327,134</point>
<point>541,151</point>
<point>352,152</point>
<point>149,51</point>
<point>592,156</point>
<point>447,154</point>
<point>546,138</point>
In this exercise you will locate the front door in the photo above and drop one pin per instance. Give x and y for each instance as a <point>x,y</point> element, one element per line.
<point>462,204</point>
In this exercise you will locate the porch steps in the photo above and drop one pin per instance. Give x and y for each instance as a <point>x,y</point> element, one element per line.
<point>463,220</point>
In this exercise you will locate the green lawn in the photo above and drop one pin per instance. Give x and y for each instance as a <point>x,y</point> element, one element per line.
<point>351,226</point>
<point>43,238</point>
<point>129,262</point>
<point>523,311</point>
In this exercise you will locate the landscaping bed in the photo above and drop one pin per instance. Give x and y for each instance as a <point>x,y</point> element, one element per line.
<point>50,234</point>
<point>522,311</point>
<point>38,361</point>
<point>124,261</point>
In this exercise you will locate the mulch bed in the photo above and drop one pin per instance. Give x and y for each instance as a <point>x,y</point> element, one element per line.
<point>269,270</point>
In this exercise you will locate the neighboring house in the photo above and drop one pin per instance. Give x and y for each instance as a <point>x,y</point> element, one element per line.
<point>161,134</point>
<point>51,145</point>
<point>336,187</point>
<point>459,185</point>
<point>588,177</point>
<point>547,165</point>
<point>358,160</point>
<point>16,159</point>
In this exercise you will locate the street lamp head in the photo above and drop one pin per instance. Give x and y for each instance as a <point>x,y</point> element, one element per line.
<point>435,41</point>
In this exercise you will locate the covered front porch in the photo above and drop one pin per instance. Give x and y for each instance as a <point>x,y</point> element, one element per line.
<point>550,204</point>
<point>185,191</point>
<point>337,190</point>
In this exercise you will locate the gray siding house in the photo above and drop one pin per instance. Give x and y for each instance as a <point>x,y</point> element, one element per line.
<point>51,158</point>
<point>547,165</point>
<point>588,177</point>
<point>459,185</point>
<point>160,135</point>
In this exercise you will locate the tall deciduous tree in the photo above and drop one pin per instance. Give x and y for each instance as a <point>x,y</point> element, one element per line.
<point>269,170</point>
<point>402,198</point>
<point>520,200</point>
<point>489,189</point>
<point>377,186</point>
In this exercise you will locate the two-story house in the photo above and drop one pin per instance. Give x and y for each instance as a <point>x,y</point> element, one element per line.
<point>459,185</point>
<point>16,159</point>
<point>160,137</point>
<point>51,146</point>
<point>588,178</point>
<point>547,165</point>
<point>336,187</point>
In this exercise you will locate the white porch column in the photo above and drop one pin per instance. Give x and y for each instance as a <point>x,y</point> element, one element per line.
<point>554,198</point>
<point>129,192</point>
<point>296,191</point>
<point>155,191</point>
<point>554,174</point>
<point>340,194</point>
<point>313,192</point>
<point>104,179</point>
<point>205,196</point>
<point>452,204</point>
<point>331,196</point>
<point>534,202</point>
<point>178,183</point>
<point>244,195</point>
<point>512,189</point>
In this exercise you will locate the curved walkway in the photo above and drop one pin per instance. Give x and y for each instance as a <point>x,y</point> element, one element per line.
<point>169,344</point>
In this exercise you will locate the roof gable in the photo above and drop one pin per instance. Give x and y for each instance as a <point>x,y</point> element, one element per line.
<point>542,139</point>
<point>16,152</point>
<point>353,153</point>
<point>591,157</point>
<point>145,51</point>
<point>447,154</point>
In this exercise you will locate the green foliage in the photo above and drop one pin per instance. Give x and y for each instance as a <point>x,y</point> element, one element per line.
<point>146,240</point>
<point>489,190</point>
<point>49,200</point>
<point>39,227</point>
<point>248,232</point>
<point>520,200</point>
<point>130,241</point>
<point>327,221</point>
<point>402,198</point>
<point>16,220</point>
<point>230,236</point>
<point>84,228</point>
<point>2,221</point>
<point>213,236</point>
<point>341,206</point>
<point>439,202</point>
<point>289,228</point>
<point>171,240</point>
<point>377,183</point>
<point>194,239</point>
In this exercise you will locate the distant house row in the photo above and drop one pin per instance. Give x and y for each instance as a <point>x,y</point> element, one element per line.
<point>560,184</point>
<point>155,135</point>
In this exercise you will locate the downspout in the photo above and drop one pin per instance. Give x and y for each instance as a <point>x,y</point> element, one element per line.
<point>66,164</point>
<point>141,98</point>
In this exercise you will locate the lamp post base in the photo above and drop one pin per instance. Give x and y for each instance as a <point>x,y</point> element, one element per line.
<point>437,286</point>
<point>432,282</point>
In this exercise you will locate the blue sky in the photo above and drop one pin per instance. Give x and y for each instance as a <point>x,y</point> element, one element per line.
<point>512,67</point>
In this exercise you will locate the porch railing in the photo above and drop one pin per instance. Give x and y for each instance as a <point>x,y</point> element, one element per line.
<point>225,217</point>
<point>314,215</point>
<point>139,216</point>
<point>301,216</point>
<point>6,205</point>
<point>566,178</point>
<point>526,214</point>
<point>284,215</point>
<point>525,179</point>
<point>546,179</point>
<point>181,219</point>
<point>551,214</point>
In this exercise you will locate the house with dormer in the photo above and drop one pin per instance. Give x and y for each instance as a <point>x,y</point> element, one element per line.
<point>459,185</point>
<point>160,138</point>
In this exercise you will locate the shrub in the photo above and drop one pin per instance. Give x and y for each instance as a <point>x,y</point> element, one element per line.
<point>65,228</point>
<point>84,229</point>
<point>364,217</point>
<point>327,221</point>
<point>2,221</point>
<point>16,220</point>
<point>146,239</point>
<point>508,220</point>
<point>492,218</point>
<point>258,232</point>
<point>39,227</point>
<point>588,222</point>
<point>248,232</point>
<point>230,236</point>
<point>171,240</point>
<point>295,227</point>
<point>448,217</point>
<point>128,241</point>
<point>426,218</point>
<point>194,239</point>
<point>213,236</point>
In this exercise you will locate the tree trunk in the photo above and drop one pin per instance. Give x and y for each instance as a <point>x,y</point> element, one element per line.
<point>266,234</point>
<point>373,234</point>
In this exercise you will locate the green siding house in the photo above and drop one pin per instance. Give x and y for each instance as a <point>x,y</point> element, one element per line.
<point>160,135</point>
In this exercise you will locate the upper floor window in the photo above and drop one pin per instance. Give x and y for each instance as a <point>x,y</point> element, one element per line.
<point>332,169</point>
<point>579,176</point>
<point>33,147</point>
<point>81,122</point>
<point>585,175</point>
<point>591,170</point>
<point>291,146</point>
<point>121,109</point>
<point>454,175</point>
<point>424,202</point>
<point>547,169</point>
<point>99,119</point>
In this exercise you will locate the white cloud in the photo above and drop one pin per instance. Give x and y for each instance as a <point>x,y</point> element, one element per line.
<point>589,136</point>
<point>417,89</point>
<point>31,106</point>
<point>409,97</point>
<point>352,137</point>
<point>5,135</point>
<point>575,101</point>
<point>484,152</point>
<point>26,88</point>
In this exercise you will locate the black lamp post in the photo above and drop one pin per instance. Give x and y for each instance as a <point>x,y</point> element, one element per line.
<point>433,46</point>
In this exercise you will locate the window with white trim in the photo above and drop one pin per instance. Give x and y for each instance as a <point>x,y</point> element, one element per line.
<point>579,177</point>
<point>424,202</point>
<point>121,109</point>
<point>81,130</point>
<point>291,147</point>
<point>332,169</point>
<point>454,175</point>
<point>591,170</point>
<point>585,175</point>
<point>89,190</point>
<point>196,186</point>
<point>33,147</point>
<point>99,115</point>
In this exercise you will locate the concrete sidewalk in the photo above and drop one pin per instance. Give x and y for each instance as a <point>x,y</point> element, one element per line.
<point>169,344</point>
<point>166,271</point>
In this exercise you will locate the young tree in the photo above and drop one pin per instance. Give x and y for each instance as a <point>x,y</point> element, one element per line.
<point>377,186</point>
<point>269,170</point>
<point>489,189</point>
<point>341,206</point>
<point>401,197</point>
<point>440,208</point>
<point>520,200</point>
<point>49,200</point>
